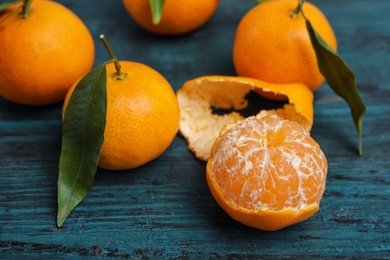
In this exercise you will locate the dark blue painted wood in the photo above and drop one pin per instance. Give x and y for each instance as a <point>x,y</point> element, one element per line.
<point>164,209</point>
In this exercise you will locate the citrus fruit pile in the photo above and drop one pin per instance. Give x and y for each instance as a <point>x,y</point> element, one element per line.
<point>264,171</point>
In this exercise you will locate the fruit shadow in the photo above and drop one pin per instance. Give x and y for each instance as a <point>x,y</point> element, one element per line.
<point>19,112</point>
<point>256,103</point>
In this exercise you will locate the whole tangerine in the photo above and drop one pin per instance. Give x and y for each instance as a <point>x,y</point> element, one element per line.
<point>178,16</point>
<point>142,116</point>
<point>43,52</point>
<point>272,43</point>
<point>267,172</point>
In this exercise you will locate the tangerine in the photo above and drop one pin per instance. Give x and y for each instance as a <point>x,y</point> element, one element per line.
<point>267,172</point>
<point>178,16</point>
<point>42,54</point>
<point>272,43</point>
<point>142,116</point>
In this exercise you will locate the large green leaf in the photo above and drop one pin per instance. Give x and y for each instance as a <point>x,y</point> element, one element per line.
<point>156,9</point>
<point>83,134</point>
<point>339,77</point>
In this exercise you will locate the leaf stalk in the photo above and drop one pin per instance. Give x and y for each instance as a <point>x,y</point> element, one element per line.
<point>298,10</point>
<point>119,75</point>
<point>26,8</point>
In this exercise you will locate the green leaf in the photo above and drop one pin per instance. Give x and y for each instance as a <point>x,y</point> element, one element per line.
<point>260,1</point>
<point>3,6</point>
<point>82,138</point>
<point>157,9</point>
<point>339,77</point>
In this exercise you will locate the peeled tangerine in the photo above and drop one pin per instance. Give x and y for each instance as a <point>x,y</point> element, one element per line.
<point>267,172</point>
<point>264,171</point>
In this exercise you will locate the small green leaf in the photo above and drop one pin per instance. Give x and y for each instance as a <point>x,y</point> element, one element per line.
<point>339,77</point>
<point>156,9</point>
<point>260,1</point>
<point>82,138</point>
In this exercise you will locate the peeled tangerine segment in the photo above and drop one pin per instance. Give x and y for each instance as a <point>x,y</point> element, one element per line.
<point>200,127</point>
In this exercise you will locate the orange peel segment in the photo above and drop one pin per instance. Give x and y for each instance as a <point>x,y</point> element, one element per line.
<point>200,127</point>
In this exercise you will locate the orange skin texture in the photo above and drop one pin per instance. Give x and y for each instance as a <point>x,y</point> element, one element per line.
<point>273,46</point>
<point>142,117</point>
<point>200,126</point>
<point>267,173</point>
<point>178,16</point>
<point>44,54</point>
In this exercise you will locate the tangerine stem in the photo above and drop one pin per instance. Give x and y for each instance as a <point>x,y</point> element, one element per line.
<point>26,8</point>
<point>119,74</point>
<point>298,9</point>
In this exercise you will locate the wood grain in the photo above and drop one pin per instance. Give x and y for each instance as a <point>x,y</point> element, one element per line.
<point>164,209</point>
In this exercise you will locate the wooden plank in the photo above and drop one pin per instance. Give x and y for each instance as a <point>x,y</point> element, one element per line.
<point>164,209</point>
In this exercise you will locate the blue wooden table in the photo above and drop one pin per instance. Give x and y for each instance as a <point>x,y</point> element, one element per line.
<point>164,209</point>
